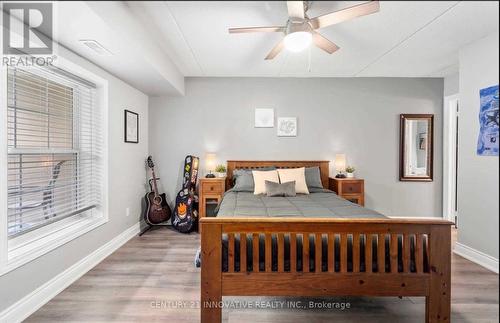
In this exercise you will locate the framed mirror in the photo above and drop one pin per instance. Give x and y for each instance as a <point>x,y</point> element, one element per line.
<point>416,147</point>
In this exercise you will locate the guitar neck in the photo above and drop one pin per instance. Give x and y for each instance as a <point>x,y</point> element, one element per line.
<point>155,187</point>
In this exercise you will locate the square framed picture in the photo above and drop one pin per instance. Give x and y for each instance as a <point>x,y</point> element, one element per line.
<point>264,118</point>
<point>131,127</point>
<point>287,127</point>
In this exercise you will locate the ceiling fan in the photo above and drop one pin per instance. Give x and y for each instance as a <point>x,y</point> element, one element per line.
<point>300,30</point>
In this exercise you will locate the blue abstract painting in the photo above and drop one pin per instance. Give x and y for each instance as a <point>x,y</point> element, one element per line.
<point>487,143</point>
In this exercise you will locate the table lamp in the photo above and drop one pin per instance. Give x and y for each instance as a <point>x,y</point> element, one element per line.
<point>340,163</point>
<point>210,160</point>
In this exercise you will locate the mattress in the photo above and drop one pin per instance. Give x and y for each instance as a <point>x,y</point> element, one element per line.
<point>320,203</point>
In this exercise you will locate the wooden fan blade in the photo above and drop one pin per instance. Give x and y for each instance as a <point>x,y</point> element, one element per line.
<point>345,14</point>
<point>324,43</point>
<point>270,29</point>
<point>276,50</point>
<point>295,9</point>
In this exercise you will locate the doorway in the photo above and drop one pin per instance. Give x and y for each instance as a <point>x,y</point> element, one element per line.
<point>450,158</point>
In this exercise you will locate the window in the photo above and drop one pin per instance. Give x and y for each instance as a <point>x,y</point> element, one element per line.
<point>54,147</point>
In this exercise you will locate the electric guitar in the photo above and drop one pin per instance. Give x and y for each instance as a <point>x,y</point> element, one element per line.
<point>157,209</point>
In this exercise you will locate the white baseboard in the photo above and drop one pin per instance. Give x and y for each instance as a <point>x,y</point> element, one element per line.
<point>36,299</point>
<point>476,256</point>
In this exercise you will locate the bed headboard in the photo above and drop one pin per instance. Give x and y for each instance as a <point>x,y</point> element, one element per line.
<point>323,165</point>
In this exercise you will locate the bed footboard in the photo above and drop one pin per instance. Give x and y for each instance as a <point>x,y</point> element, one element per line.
<point>351,257</point>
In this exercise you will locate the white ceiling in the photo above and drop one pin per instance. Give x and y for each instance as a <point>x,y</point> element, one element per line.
<point>137,57</point>
<point>405,39</point>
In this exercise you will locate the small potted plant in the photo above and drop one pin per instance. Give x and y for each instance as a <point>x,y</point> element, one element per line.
<point>350,171</point>
<point>220,171</point>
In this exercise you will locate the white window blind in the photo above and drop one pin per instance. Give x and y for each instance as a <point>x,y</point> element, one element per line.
<point>54,148</point>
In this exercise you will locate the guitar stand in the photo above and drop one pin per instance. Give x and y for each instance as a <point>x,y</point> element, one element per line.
<point>150,227</point>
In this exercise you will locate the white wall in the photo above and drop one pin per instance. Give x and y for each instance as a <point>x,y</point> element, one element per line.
<point>451,84</point>
<point>127,176</point>
<point>355,116</point>
<point>477,175</point>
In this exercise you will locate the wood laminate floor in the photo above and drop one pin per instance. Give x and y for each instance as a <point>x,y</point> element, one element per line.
<point>152,278</point>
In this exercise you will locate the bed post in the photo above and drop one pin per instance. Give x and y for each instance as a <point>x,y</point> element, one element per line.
<point>438,302</point>
<point>211,272</point>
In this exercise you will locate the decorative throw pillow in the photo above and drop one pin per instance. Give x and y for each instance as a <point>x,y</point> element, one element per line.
<point>276,189</point>
<point>260,178</point>
<point>243,179</point>
<point>297,175</point>
<point>313,177</point>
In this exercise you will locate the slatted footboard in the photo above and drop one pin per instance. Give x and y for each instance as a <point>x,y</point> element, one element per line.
<point>325,257</point>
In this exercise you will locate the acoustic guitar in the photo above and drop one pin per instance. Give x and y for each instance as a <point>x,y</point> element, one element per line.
<point>157,209</point>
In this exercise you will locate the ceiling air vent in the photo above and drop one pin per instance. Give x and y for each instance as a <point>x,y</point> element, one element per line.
<point>96,47</point>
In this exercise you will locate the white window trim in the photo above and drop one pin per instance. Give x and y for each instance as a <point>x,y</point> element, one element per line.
<point>450,114</point>
<point>27,247</point>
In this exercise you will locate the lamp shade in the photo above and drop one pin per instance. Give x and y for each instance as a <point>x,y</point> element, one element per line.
<point>210,160</point>
<point>340,162</point>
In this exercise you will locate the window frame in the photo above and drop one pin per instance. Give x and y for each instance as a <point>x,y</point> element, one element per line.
<point>26,247</point>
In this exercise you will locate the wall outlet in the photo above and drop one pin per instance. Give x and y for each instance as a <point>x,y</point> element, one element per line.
<point>127,211</point>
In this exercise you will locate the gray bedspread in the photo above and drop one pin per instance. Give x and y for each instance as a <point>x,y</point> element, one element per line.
<point>320,203</point>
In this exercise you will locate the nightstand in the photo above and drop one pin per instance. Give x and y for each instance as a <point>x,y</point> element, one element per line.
<point>352,189</point>
<point>210,193</point>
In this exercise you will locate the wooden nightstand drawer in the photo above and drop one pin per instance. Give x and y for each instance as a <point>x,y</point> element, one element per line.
<point>211,191</point>
<point>351,187</point>
<point>212,187</point>
<point>356,198</point>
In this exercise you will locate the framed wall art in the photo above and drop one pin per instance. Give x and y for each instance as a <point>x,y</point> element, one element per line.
<point>264,118</point>
<point>287,127</point>
<point>131,127</point>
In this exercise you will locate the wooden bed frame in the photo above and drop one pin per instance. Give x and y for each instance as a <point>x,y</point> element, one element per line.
<point>431,280</point>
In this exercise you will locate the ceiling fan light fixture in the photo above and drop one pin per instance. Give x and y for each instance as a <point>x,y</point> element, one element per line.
<point>300,30</point>
<point>298,41</point>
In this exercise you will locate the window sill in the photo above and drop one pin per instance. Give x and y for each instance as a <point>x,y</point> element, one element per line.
<point>23,251</point>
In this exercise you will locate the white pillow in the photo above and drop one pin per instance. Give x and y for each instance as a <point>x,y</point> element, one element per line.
<point>295,174</point>
<point>260,177</point>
